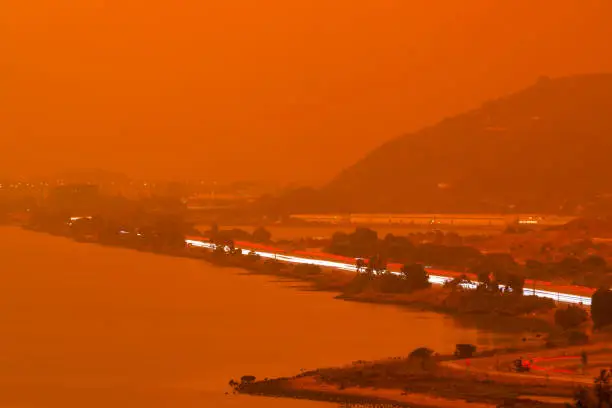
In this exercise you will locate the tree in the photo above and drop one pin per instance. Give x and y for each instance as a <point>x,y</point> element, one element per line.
<point>219,251</point>
<point>423,355</point>
<point>376,264</point>
<point>569,266</point>
<point>602,389</point>
<point>484,279</point>
<point>570,317</point>
<point>169,230</point>
<point>360,265</point>
<point>453,239</point>
<point>416,276</point>
<point>500,264</point>
<point>262,235</point>
<point>516,283</point>
<point>601,307</point>
<point>340,245</point>
<point>397,248</point>
<point>535,269</point>
<point>364,242</point>
<point>594,262</point>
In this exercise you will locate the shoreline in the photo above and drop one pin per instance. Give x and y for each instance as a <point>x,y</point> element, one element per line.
<point>445,381</point>
<point>309,389</point>
<point>334,281</point>
<point>330,281</point>
<point>493,322</point>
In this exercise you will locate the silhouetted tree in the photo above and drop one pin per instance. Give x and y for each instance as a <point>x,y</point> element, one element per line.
<point>535,269</point>
<point>364,242</point>
<point>516,283</point>
<point>416,276</point>
<point>360,265</point>
<point>453,239</point>
<point>484,279</point>
<point>568,266</point>
<point>376,264</point>
<point>397,248</point>
<point>601,307</point>
<point>602,389</point>
<point>594,262</point>
<point>262,235</point>
<point>570,317</point>
<point>340,245</point>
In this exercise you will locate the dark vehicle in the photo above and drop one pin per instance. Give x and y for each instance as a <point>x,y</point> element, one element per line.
<point>464,350</point>
<point>521,366</point>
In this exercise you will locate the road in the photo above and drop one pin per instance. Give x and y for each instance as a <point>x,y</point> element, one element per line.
<point>560,365</point>
<point>562,294</point>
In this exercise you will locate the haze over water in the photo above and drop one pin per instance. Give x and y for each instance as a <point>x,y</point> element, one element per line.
<point>83,325</point>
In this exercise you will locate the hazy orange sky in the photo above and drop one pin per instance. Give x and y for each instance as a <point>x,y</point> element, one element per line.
<point>278,89</point>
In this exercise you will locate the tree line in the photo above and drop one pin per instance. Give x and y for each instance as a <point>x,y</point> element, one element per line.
<point>363,242</point>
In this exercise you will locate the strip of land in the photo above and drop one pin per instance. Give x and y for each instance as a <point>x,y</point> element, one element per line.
<point>484,380</point>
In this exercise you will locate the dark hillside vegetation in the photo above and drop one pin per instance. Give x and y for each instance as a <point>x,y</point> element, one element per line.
<point>543,149</point>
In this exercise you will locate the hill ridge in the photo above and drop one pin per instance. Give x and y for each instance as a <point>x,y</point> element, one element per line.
<point>541,148</point>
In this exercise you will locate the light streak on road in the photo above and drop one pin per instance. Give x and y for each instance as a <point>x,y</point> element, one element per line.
<point>434,279</point>
<point>199,244</point>
<point>80,218</point>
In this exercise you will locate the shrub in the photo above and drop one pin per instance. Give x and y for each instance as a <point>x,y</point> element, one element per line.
<point>421,353</point>
<point>601,307</point>
<point>262,235</point>
<point>577,338</point>
<point>390,283</point>
<point>272,266</point>
<point>307,269</point>
<point>252,257</point>
<point>570,317</point>
<point>358,284</point>
<point>416,277</point>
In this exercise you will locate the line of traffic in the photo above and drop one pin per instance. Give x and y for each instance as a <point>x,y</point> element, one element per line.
<point>434,279</point>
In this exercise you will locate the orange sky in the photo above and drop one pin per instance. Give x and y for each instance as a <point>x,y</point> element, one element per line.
<point>278,89</point>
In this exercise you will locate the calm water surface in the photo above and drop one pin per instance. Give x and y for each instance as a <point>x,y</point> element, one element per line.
<point>83,325</point>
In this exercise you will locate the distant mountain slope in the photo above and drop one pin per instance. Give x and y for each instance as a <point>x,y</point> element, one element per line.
<point>545,148</point>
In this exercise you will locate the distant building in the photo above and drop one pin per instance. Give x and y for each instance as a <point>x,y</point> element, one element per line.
<point>452,220</point>
<point>323,218</point>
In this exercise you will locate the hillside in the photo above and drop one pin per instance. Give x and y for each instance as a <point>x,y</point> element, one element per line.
<point>545,148</point>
